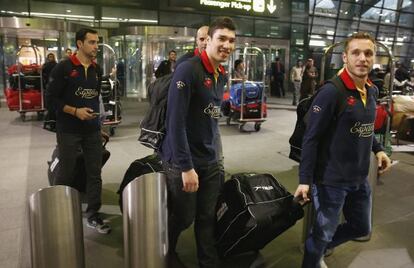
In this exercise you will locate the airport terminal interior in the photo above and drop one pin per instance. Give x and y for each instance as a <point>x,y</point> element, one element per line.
<point>135,37</point>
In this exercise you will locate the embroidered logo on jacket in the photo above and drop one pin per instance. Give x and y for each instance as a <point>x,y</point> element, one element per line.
<point>212,111</point>
<point>316,109</point>
<point>180,84</point>
<point>363,130</point>
<point>264,188</point>
<point>208,83</point>
<point>74,73</point>
<point>86,93</point>
<point>351,101</point>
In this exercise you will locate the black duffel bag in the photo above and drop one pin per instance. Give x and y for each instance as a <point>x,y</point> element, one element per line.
<point>252,210</point>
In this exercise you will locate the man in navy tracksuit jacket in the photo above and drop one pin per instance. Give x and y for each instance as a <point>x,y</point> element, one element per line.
<point>74,93</point>
<point>189,150</point>
<point>336,155</point>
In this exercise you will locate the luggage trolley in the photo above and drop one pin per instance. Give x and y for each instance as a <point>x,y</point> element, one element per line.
<point>247,97</point>
<point>27,95</point>
<point>109,92</point>
<point>384,139</point>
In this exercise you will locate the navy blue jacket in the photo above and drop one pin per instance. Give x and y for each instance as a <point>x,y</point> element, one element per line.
<point>69,85</point>
<point>337,152</point>
<point>193,107</point>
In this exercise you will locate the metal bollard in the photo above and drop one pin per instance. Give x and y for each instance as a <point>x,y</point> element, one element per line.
<point>146,222</point>
<point>56,232</point>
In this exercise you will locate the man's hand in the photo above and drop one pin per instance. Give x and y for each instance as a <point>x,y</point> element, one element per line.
<point>85,113</point>
<point>302,193</point>
<point>384,162</point>
<point>190,181</point>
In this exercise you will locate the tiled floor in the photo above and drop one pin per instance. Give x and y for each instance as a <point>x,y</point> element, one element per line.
<point>25,148</point>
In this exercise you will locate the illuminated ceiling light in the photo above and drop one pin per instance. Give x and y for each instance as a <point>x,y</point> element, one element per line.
<point>387,21</point>
<point>346,13</point>
<point>316,36</point>
<point>68,10</point>
<point>330,32</point>
<point>317,43</point>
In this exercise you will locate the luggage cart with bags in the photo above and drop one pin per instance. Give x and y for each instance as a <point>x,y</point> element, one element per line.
<point>247,102</point>
<point>25,92</point>
<point>109,91</point>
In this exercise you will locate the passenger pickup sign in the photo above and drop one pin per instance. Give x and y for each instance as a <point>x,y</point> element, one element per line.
<point>273,8</point>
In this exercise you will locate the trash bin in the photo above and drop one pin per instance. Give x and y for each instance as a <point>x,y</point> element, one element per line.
<point>145,218</point>
<point>56,232</point>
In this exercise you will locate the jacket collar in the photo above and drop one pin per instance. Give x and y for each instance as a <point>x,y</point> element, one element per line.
<point>207,65</point>
<point>349,83</point>
<point>75,61</point>
<point>196,52</point>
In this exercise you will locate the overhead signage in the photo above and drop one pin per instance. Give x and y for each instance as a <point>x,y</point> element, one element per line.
<point>274,8</point>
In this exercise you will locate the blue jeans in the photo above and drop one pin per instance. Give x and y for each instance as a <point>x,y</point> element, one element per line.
<point>354,201</point>
<point>200,207</point>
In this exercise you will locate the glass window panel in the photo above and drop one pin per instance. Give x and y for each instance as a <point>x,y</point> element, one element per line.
<point>327,8</point>
<point>323,25</point>
<point>346,27</point>
<point>407,5</point>
<point>388,16</point>
<point>183,19</point>
<point>386,35</point>
<point>370,14</point>
<point>391,4</point>
<point>298,35</point>
<point>406,19</point>
<point>404,35</point>
<point>266,28</point>
<point>350,11</point>
<point>368,27</point>
<point>299,12</point>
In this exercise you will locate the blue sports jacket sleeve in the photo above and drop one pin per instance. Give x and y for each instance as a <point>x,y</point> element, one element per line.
<point>179,96</point>
<point>321,114</point>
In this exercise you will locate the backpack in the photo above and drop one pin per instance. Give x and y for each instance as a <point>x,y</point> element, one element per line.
<point>302,112</point>
<point>153,125</point>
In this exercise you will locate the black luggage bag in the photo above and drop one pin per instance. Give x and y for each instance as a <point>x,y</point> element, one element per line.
<point>252,210</point>
<point>79,172</point>
<point>149,164</point>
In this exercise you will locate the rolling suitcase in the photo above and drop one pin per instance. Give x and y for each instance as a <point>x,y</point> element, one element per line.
<point>252,210</point>
<point>79,172</point>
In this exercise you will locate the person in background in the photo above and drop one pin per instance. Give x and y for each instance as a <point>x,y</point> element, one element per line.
<point>68,53</point>
<point>309,77</point>
<point>201,42</point>
<point>48,67</point>
<point>296,78</point>
<point>239,69</point>
<point>189,149</point>
<point>167,66</point>
<point>336,154</point>
<point>277,78</point>
<point>75,98</point>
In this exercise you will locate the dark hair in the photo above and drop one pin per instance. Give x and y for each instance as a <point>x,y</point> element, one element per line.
<point>81,34</point>
<point>66,50</point>
<point>358,35</point>
<point>221,23</point>
<point>172,50</point>
<point>50,54</point>
<point>237,63</point>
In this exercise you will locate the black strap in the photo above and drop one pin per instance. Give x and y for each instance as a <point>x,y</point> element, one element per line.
<point>342,95</point>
